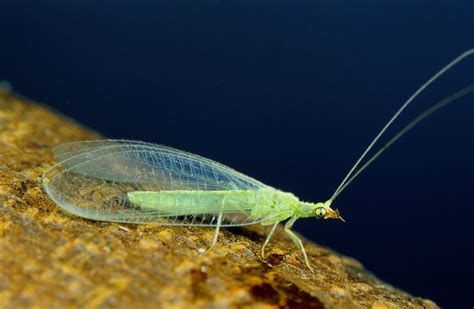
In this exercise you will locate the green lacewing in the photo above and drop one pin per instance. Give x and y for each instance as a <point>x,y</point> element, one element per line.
<point>137,182</point>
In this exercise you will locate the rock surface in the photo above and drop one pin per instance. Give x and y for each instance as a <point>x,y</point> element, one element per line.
<point>50,259</point>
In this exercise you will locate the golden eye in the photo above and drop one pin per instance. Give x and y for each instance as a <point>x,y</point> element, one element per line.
<point>320,212</point>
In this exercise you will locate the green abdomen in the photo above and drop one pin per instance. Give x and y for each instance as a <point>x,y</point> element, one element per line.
<point>189,202</point>
<point>259,203</point>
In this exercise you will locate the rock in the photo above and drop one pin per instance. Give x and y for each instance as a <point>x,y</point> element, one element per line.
<point>51,259</point>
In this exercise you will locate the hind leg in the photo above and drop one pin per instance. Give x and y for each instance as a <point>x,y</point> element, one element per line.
<point>216,231</point>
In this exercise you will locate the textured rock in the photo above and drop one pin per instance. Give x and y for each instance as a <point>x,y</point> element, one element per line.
<point>49,258</point>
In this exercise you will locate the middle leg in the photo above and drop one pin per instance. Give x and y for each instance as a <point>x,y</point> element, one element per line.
<point>297,241</point>
<point>267,240</point>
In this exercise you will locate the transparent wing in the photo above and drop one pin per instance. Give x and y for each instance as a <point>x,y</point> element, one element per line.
<point>139,162</point>
<point>92,180</point>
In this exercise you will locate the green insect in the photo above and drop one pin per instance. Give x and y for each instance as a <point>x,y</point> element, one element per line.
<point>136,182</point>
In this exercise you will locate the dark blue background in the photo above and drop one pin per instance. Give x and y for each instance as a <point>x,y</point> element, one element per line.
<point>289,92</point>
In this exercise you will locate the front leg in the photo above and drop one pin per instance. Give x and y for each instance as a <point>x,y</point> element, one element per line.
<point>297,241</point>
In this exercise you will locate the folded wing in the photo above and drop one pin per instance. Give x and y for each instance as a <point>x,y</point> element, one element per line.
<point>92,180</point>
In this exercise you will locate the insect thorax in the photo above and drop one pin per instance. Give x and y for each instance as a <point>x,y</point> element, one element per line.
<point>276,205</point>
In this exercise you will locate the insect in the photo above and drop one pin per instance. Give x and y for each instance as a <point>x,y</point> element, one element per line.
<point>137,182</point>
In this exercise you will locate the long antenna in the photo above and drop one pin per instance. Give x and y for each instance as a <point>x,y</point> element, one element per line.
<point>348,178</point>
<point>461,93</point>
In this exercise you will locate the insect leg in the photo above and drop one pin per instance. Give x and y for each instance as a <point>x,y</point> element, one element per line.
<point>218,225</point>
<point>297,241</point>
<point>268,238</point>
<point>216,231</point>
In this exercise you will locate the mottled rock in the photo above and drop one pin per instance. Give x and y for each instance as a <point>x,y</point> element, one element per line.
<point>50,259</point>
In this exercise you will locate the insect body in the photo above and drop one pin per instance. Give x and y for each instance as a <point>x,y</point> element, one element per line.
<point>136,182</point>
<point>185,202</point>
